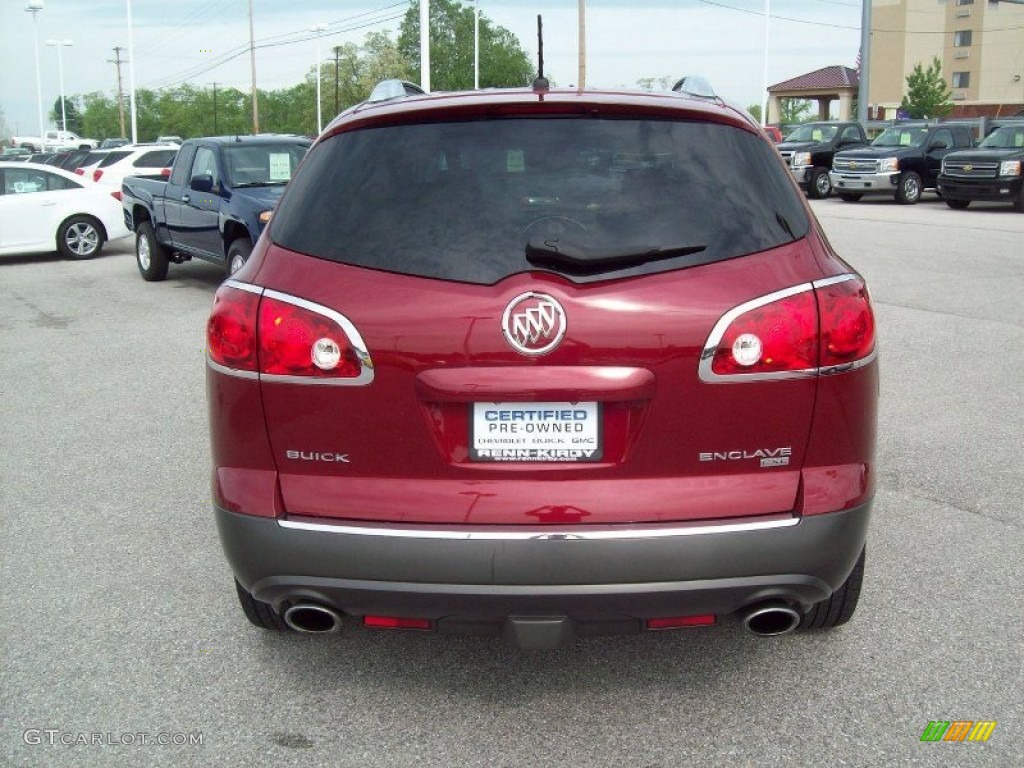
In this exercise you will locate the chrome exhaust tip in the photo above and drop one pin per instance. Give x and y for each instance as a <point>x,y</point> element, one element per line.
<point>771,619</point>
<point>312,619</point>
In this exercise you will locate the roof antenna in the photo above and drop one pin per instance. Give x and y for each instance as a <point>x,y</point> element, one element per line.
<point>541,83</point>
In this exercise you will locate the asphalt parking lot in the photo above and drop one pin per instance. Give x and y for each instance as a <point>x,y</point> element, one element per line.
<point>121,628</point>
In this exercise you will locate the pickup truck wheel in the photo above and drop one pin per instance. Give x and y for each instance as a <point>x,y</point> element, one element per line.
<point>80,237</point>
<point>150,256</point>
<point>850,197</point>
<point>958,205</point>
<point>837,609</point>
<point>908,191</point>
<point>819,186</point>
<point>238,253</point>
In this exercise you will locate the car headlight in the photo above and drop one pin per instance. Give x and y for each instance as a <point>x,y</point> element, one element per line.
<point>1009,168</point>
<point>801,158</point>
<point>888,164</point>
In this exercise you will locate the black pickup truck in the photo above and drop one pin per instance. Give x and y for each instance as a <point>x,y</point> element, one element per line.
<point>808,152</point>
<point>214,205</point>
<point>991,171</point>
<point>903,161</point>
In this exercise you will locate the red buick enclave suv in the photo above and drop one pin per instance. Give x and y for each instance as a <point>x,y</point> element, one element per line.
<point>543,364</point>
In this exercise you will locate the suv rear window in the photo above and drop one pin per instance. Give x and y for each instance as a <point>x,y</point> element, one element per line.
<point>114,157</point>
<point>480,200</point>
<point>158,158</point>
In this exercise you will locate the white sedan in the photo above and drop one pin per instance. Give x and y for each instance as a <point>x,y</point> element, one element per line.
<point>43,209</point>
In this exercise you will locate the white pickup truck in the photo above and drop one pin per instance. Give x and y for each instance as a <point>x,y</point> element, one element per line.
<point>54,141</point>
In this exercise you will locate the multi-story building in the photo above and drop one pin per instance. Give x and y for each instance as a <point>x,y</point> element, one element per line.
<point>979,42</point>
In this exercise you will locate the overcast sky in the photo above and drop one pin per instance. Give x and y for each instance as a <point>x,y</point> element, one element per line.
<point>176,39</point>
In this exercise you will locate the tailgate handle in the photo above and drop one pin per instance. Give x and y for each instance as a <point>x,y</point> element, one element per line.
<point>531,383</point>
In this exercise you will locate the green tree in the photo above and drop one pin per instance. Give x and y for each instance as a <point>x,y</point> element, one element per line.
<point>755,111</point>
<point>927,93</point>
<point>4,133</point>
<point>100,118</point>
<point>74,117</point>
<point>503,62</point>
<point>793,111</point>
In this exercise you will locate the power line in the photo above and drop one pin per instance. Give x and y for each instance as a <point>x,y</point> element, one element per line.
<point>271,41</point>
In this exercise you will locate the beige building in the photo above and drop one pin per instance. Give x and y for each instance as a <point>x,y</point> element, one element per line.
<point>980,44</point>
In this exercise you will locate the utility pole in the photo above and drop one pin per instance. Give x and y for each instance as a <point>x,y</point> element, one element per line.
<point>864,76</point>
<point>337,58</point>
<point>215,109</point>
<point>252,64</point>
<point>120,91</point>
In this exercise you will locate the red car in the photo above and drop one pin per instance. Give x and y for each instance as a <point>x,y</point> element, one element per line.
<point>543,364</point>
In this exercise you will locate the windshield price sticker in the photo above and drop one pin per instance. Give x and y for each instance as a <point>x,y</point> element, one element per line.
<point>280,166</point>
<point>548,432</point>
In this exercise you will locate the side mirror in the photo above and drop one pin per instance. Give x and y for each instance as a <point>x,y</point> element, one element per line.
<point>202,182</point>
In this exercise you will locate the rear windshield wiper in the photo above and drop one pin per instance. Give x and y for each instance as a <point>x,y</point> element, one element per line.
<point>578,258</point>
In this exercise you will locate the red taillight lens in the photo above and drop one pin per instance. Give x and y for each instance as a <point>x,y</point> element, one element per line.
<point>395,622</point>
<point>231,329</point>
<point>847,322</point>
<point>79,171</point>
<point>117,195</point>
<point>97,175</point>
<point>297,341</point>
<point>165,172</point>
<point>778,336</point>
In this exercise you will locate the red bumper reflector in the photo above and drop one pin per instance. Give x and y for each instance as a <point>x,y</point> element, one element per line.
<point>678,622</point>
<point>394,622</point>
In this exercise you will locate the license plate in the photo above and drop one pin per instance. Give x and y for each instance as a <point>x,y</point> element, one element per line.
<point>547,432</point>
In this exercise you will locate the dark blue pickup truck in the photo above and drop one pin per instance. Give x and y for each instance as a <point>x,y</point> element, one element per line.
<point>214,205</point>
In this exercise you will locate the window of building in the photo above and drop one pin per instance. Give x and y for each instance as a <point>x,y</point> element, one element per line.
<point>965,2</point>
<point>962,39</point>
<point>961,79</point>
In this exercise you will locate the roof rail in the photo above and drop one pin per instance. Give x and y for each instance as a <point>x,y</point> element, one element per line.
<point>695,85</point>
<point>386,90</point>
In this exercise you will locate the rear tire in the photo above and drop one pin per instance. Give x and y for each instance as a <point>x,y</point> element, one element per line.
<point>80,238</point>
<point>908,190</point>
<point>839,608</point>
<point>150,256</point>
<point>258,613</point>
<point>850,197</point>
<point>958,205</point>
<point>819,186</point>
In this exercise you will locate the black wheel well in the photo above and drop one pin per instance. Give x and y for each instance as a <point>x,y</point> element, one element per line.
<point>234,230</point>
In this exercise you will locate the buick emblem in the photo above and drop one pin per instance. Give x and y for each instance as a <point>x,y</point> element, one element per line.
<point>533,323</point>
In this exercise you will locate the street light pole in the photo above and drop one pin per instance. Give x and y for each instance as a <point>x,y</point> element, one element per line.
<point>476,46</point>
<point>34,7</point>
<point>425,45</point>
<point>131,76</point>
<point>60,69</point>
<point>318,28</point>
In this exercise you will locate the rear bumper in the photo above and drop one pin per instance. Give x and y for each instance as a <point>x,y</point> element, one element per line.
<point>473,579</point>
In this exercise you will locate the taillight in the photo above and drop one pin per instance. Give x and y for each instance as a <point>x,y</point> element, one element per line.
<point>394,622</point>
<point>117,195</point>
<point>777,336</point>
<point>298,341</point>
<point>847,322</point>
<point>231,329</point>
<point>284,338</point>
<point>800,331</point>
<point>97,175</point>
<point>165,172</point>
<point>79,171</point>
